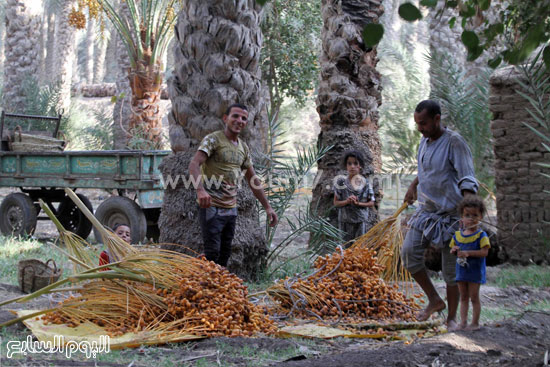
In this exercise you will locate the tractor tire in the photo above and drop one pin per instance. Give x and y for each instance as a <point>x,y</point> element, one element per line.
<point>18,215</point>
<point>121,210</point>
<point>72,218</point>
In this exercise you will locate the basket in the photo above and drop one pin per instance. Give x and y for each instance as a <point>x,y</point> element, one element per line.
<point>31,147</point>
<point>33,274</point>
<point>34,143</point>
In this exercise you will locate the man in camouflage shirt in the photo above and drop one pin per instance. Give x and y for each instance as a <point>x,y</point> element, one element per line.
<point>217,167</point>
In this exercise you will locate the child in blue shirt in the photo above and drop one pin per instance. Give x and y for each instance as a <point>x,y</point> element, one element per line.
<point>471,246</point>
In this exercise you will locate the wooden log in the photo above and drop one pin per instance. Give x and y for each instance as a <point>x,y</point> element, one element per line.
<point>103,90</point>
<point>420,325</point>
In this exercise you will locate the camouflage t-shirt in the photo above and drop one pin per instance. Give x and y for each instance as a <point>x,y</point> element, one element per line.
<point>222,171</point>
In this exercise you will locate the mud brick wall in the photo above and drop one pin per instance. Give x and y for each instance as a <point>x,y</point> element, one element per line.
<point>523,209</point>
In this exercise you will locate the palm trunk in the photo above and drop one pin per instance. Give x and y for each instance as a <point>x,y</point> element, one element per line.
<point>146,121</point>
<point>89,44</point>
<point>50,47</point>
<point>111,58</point>
<point>410,32</point>
<point>43,50</point>
<point>170,62</point>
<point>446,41</point>
<point>22,51</point>
<point>122,111</point>
<point>100,52</point>
<point>217,64</point>
<point>2,40</point>
<point>349,93</point>
<point>75,72</point>
<point>65,53</point>
<point>391,19</point>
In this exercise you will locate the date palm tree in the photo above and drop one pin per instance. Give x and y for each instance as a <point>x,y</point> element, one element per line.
<point>217,55</point>
<point>349,91</point>
<point>65,53</point>
<point>145,32</point>
<point>23,23</point>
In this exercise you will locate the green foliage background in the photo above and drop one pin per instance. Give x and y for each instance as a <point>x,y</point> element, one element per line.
<point>464,101</point>
<point>405,84</point>
<point>291,44</point>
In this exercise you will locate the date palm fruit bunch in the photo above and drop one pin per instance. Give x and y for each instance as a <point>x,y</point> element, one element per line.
<point>347,286</point>
<point>202,299</point>
<point>163,293</point>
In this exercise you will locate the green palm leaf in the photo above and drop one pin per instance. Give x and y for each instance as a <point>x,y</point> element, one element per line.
<point>465,106</point>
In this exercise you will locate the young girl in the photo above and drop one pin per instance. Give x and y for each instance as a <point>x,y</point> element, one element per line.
<point>122,231</point>
<point>471,246</point>
<point>354,198</point>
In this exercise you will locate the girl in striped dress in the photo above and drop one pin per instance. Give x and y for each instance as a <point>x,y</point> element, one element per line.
<point>471,246</point>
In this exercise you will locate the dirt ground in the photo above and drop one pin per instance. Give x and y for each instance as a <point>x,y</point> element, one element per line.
<point>520,340</point>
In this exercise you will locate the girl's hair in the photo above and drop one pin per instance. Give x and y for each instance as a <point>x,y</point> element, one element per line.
<point>472,201</point>
<point>117,225</point>
<point>355,154</point>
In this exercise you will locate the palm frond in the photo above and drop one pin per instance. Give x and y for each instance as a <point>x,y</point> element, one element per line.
<point>99,136</point>
<point>324,236</point>
<point>536,89</point>
<point>404,86</point>
<point>145,27</point>
<point>42,100</point>
<point>284,176</point>
<point>464,101</point>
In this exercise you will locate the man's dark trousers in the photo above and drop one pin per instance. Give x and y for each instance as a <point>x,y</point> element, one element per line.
<point>218,229</point>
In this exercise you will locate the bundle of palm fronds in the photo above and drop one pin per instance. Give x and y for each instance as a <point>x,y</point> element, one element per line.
<point>160,292</point>
<point>177,295</point>
<point>386,239</point>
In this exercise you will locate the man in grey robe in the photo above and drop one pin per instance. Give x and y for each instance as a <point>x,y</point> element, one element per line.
<point>445,175</point>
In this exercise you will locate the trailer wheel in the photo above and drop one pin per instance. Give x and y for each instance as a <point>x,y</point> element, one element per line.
<point>17,215</point>
<point>119,210</point>
<point>72,218</point>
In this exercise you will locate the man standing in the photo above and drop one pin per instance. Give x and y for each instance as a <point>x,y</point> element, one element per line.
<point>217,167</point>
<point>445,175</point>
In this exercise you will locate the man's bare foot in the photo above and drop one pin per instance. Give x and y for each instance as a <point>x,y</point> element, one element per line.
<point>430,309</point>
<point>473,327</point>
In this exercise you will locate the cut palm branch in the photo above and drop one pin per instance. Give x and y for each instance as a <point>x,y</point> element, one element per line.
<point>78,250</point>
<point>386,238</point>
<point>177,294</point>
<point>118,248</point>
<point>284,177</point>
